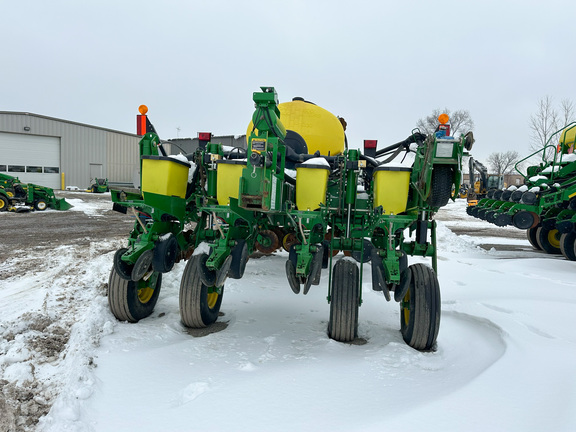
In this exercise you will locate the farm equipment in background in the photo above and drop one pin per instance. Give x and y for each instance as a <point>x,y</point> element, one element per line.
<point>485,183</point>
<point>19,197</point>
<point>99,185</point>
<point>216,206</point>
<point>545,206</point>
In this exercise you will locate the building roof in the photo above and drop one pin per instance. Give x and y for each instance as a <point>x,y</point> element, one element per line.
<point>66,121</point>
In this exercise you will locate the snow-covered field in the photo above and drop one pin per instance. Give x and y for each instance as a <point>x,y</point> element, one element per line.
<point>505,358</point>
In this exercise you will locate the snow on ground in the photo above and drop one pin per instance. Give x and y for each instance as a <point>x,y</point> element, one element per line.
<point>504,361</point>
<point>91,208</point>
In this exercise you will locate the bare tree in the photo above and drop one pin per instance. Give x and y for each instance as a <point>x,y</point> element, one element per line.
<point>503,162</point>
<point>567,112</point>
<point>460,122</point>
<point>543,124</point>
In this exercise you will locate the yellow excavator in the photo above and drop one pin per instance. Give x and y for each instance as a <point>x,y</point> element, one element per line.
<point>479,188</point>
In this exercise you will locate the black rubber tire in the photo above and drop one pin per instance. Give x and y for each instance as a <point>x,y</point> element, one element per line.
<point>420,309</point>
<point>40,205</point>
<point>441,188</point>
<point>132,301</point>
<point>482,213</point>
<point>198,308</point>
<point>548,240</point>
<point>490,216</point>
<point>531,235</point>
<point>4,204</point>
<point>240,258</point>
<point>165,253</point>
<point>344,302</point>
<point>568,245</point>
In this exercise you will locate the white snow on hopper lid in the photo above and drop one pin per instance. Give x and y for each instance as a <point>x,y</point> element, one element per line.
<point>316,161</point>
<point>512,188</point>
<point>180,157</point>
<point>569,157</point>
<point>537,177</point>
<point>523,188</point>
<point>535,189</point>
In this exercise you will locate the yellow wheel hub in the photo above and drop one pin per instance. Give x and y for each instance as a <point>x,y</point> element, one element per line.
<point>211,299</point>
<point>145,292</point>
<point>554,238</point>
<point>406,308</point>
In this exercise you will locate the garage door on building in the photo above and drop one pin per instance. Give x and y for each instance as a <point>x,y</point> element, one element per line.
<point>31,158</point>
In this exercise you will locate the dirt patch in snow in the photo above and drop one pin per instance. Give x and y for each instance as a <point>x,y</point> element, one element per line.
<point>51,252</point>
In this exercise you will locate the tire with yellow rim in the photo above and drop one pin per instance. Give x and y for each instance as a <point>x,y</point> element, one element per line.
<point>199,304</point>
<point>3,203</point>
<point>133,300</point>
<point>549,240</point>
<point>420,309</point>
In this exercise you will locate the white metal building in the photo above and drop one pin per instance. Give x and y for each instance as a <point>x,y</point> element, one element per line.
<point>58,153</point>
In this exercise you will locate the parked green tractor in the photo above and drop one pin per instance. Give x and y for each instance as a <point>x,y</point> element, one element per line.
<point>99,185</point>
<point>297,186</point>
<point>545,206</point>
<point>17,196</point>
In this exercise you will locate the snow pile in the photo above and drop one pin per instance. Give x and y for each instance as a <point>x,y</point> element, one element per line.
<point>51,324</point>
<point>94,209</point>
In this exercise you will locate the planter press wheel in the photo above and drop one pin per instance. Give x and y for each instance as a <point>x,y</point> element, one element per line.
<point>441,187</point>
<point>420,309</point>
<point>3,203</point>
<point>199,304</point>
<point>165,254</point>
<point>344,301</point>
<point>133,300</point>
<point>531,234</point>
<point>548,240</point>
<point>568,245</point>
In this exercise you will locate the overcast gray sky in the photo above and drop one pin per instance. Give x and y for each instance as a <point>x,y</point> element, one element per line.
<point>381,65</point>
